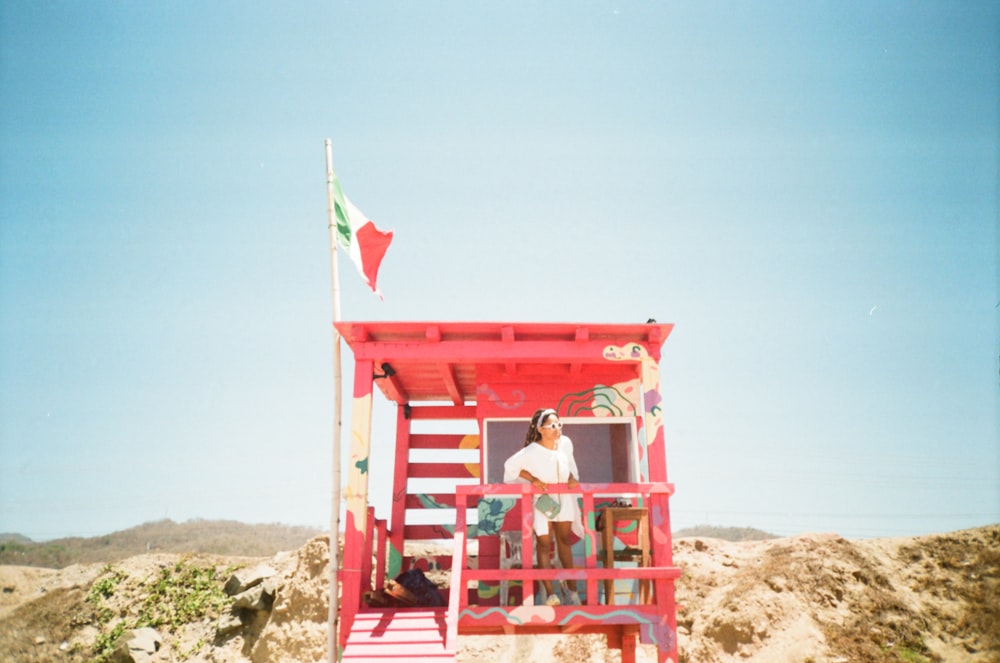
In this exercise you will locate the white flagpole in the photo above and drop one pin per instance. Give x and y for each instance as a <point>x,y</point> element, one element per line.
<point>332,618</point>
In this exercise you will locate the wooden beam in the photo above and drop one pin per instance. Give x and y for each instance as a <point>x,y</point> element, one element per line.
<point>582,336</point>
<point>391,386</point>
<point>447,372</point>
<point>536,352</point>
<point>442,412</point>
<point>507,336</point>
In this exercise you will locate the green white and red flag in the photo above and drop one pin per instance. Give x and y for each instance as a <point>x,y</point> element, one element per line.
<point>359,237</point>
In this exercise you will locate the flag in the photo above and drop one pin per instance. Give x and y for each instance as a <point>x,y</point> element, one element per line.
<point>359,237</point>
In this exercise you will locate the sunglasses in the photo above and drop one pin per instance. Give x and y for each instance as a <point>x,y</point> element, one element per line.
<point>556,426</point>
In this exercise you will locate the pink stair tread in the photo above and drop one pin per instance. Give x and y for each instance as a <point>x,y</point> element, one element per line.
<point>398,635</point>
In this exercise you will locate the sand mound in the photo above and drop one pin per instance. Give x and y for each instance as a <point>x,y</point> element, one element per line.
<point>814,597</point>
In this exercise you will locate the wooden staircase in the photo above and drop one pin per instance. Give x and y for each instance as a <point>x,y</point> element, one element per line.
<point>399,634</point>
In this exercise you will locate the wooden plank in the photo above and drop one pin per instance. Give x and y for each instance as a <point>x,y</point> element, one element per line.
<point>578,573</point>
<point>428,441</point>
<point>395,634</point>
<point>403,436</point>
<point>398,615</point>
<point>523,351</point>
<point>429,500</point>
<point>428,532</point>
<point>440,471</point>
<point>442,412</point>
<point>416,639</point>
<point>398,635</point>
<point>394,654</point>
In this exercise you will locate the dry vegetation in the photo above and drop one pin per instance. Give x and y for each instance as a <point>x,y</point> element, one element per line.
<point>809,599</point>
<point>221,537</point>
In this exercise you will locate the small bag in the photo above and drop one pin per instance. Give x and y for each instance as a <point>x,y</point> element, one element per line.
<point>548,506</point>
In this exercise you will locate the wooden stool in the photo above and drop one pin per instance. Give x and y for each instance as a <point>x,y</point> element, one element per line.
<point>610,516</point>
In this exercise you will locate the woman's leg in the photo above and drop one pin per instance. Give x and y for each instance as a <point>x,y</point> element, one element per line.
<point>564,548</point>
<point>544,550</point>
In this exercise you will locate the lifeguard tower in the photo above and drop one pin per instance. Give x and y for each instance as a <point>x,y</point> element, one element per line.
<point>604,382</point>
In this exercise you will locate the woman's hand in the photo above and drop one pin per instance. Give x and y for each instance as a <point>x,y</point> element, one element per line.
<point>539,484</point>
<point>572,483</point>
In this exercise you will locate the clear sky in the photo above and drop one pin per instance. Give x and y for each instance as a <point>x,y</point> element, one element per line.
<point>809,191</point>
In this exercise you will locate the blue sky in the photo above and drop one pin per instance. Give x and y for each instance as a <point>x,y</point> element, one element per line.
<point>807,190</point>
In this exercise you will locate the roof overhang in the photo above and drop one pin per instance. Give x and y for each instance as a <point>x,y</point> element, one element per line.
<point>438,361</point>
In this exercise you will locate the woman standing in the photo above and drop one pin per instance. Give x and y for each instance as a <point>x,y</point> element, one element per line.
<point>547,458</point>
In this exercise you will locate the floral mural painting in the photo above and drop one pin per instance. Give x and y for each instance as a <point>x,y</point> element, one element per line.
<point>601,400</point>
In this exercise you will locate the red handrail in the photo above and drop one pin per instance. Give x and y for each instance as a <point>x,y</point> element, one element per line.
<point>590,573</point>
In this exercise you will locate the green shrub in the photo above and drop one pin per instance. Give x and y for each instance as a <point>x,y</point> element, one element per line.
<point>179,595</point>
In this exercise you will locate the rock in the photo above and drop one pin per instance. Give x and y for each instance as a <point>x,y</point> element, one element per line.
<point>229,622</point>
<point>258,597</point>
<point>137,646</point>
<point>244,579</point>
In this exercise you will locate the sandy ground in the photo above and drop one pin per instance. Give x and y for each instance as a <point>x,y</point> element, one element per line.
<point>814,598</point>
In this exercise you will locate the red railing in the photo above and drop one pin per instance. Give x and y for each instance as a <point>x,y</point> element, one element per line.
<point>651,495</point>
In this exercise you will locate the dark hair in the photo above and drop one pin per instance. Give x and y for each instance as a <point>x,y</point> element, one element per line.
<point>537,419</point>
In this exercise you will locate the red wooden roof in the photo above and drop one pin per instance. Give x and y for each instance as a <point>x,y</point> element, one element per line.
<point>436,361</point>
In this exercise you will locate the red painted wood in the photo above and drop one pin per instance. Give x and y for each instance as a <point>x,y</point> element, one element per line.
<point>616,573</point>
<point>474,616</point>
<point>398,518</point>
<point>398,635</point>
<point>413,500</point>
<point>439,471</point>
<point>510,332</point>
<point>628,647</point>
<point>442,412</point>
<point>435,441</point>
<point>449,376</point>
<point>369,548</point>
<point>427,532</point>
<point>471,352</point>
<point>382,539</point>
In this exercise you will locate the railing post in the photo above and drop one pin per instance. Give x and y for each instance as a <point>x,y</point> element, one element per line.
<point>527,541</point>
<point>590,545</point>
<point>458,561</point>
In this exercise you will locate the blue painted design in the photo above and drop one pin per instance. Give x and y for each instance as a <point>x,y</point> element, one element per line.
<point>492,512</point>
<point>660,635</point>
<point>507,615</point>
<point>429,502</point>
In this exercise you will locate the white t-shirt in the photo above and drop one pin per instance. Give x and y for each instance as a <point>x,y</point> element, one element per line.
<point>548,466</point>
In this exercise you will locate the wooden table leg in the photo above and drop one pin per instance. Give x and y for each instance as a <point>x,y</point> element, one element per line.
<point>608,535</point>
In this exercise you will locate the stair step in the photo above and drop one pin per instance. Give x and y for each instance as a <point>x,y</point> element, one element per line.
<point>392,636</point>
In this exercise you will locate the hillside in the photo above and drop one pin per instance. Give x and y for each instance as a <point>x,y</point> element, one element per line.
<point>221,537</point>
<point>814,597</point>
<point>724,533</point>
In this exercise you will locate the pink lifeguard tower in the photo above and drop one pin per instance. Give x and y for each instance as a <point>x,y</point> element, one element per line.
<point>604,382</point>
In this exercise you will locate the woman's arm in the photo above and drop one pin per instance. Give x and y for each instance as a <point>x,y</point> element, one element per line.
<point>574,472</point>
<point>533,480</point>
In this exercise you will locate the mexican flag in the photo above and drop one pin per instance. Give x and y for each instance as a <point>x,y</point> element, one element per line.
<point>358,235</point>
